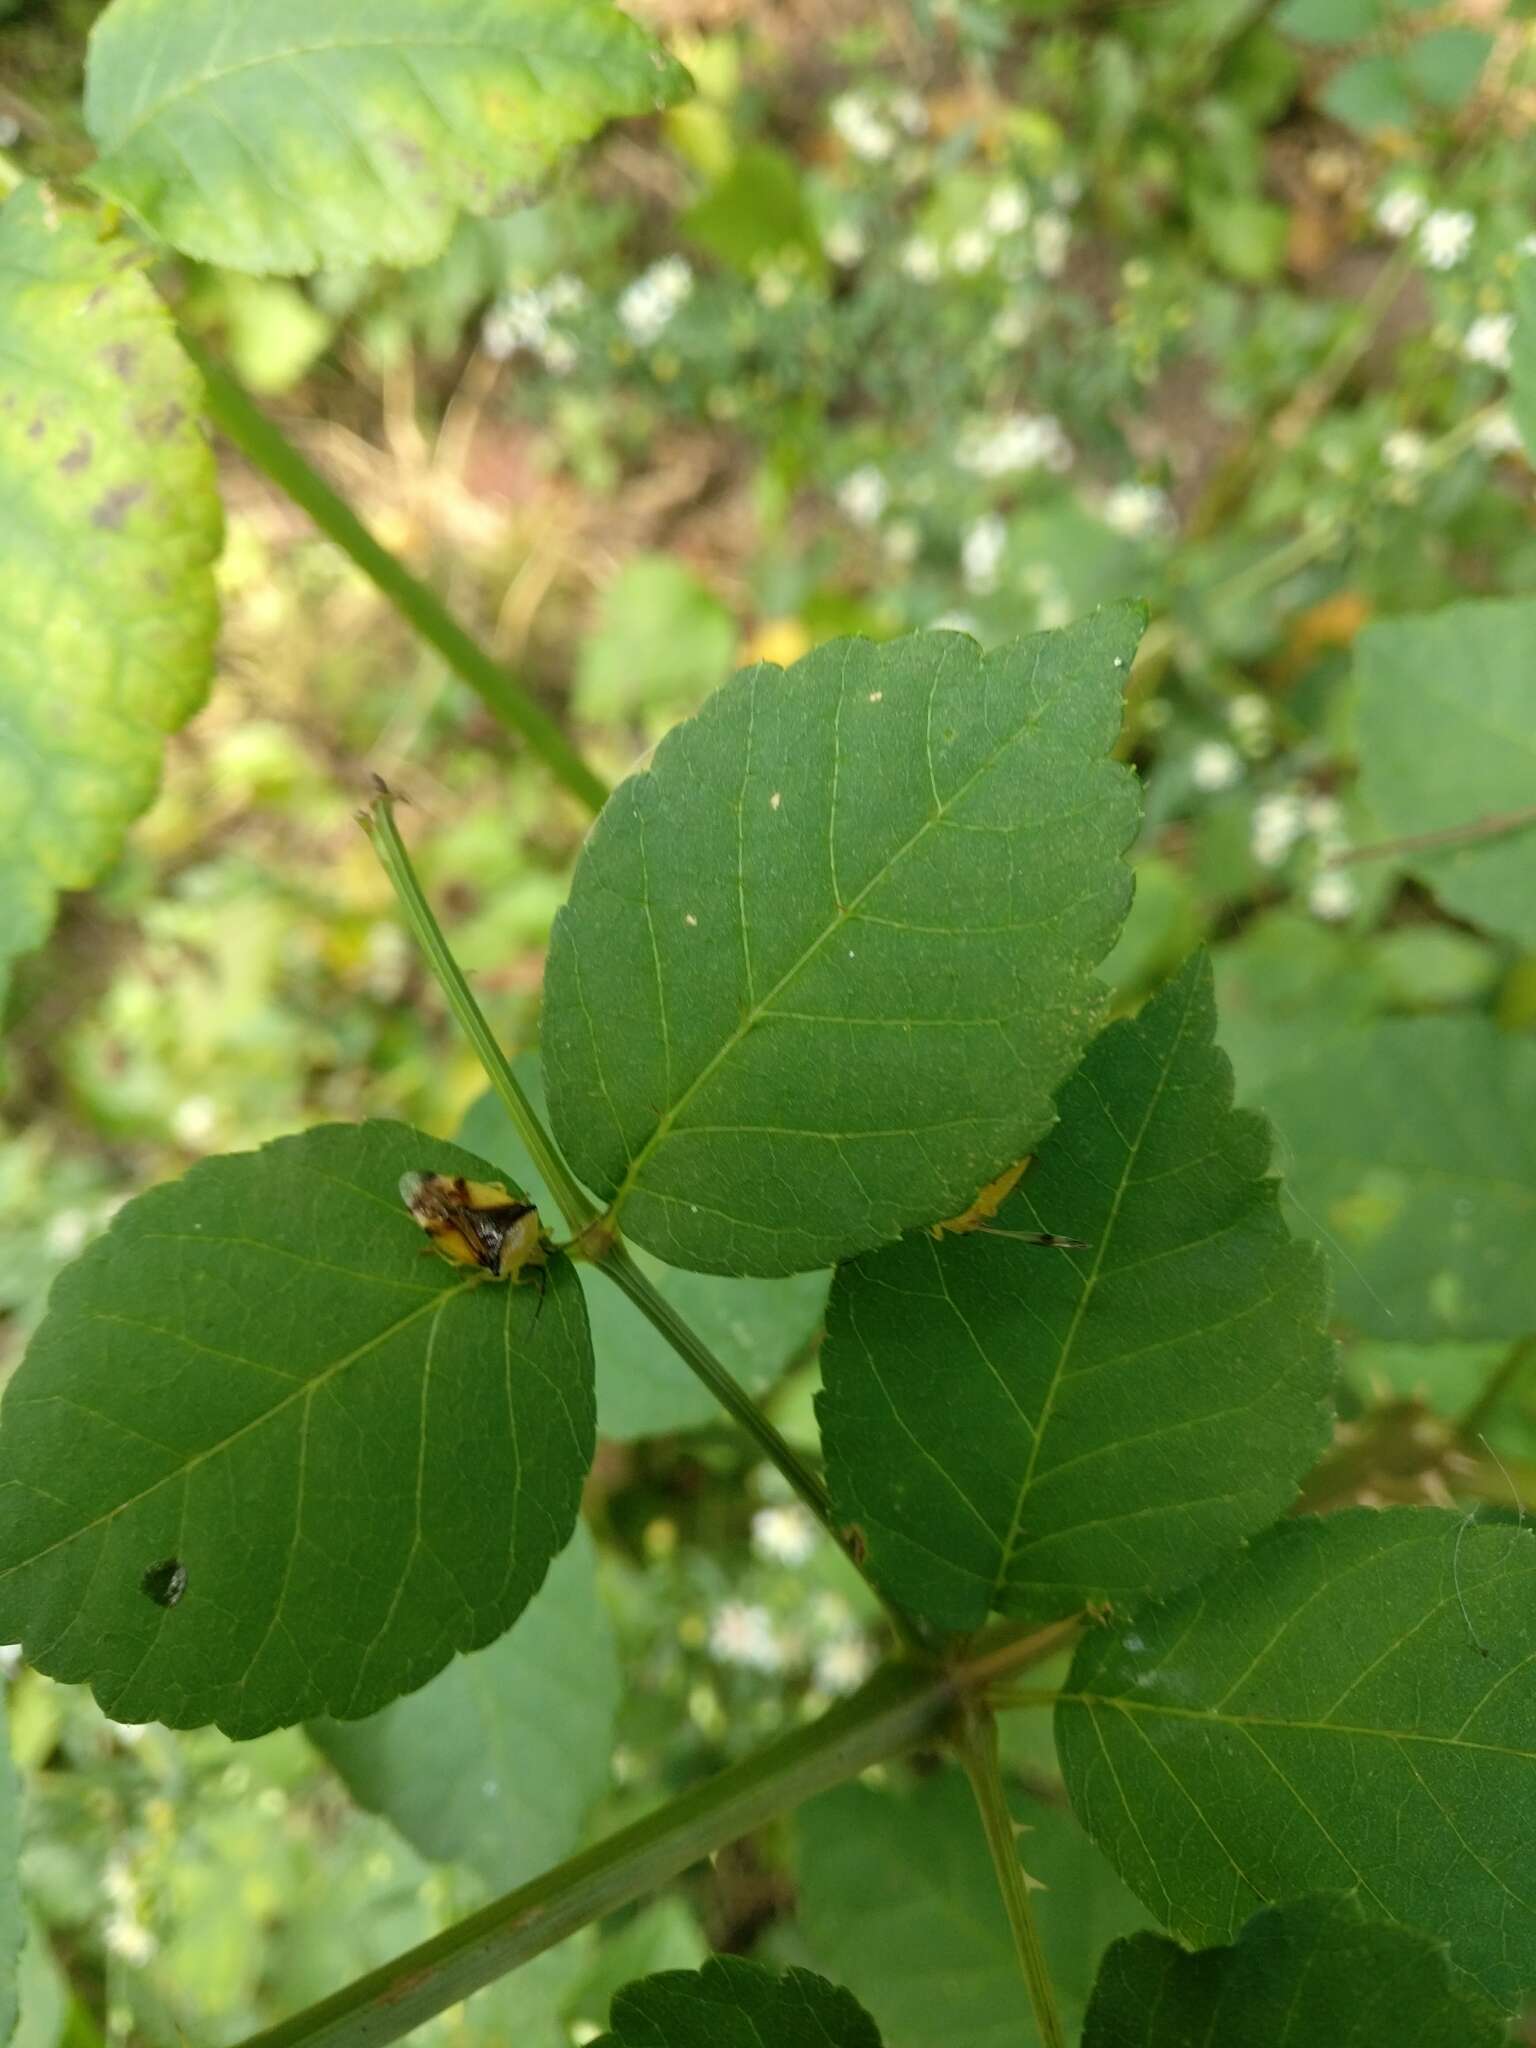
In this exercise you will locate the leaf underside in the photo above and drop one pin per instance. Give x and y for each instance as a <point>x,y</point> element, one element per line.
<point>730,2003</point>
<point>1027,1430</point>
<point>825,961</point>
<point>264,1461</point>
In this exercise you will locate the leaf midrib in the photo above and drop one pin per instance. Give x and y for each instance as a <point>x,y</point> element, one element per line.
<point>1212,1717</point>
<point>302,1392</point>
<point>760,1009</point>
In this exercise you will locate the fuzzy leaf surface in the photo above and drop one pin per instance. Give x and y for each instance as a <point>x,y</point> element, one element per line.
<point>826,960</point>
<point>1350,1706</point>
<point>1025,1429</point>
<point>277,136</point>
<point>264,1461</point>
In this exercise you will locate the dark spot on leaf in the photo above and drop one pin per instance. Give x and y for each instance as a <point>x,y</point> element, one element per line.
<point>165,1582</point>
<point>101,292</point>
<point>159,426</point>
<point>114,507</point>
<point>78,457</point>
<point>121,358</point>
<point>409,151</point>
<point>37,428</point>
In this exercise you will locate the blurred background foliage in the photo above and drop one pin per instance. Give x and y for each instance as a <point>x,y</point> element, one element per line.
<point>968,313</point>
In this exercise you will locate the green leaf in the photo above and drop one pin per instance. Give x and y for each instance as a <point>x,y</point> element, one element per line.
<point>1372,93</point>
<point>272,135</point>
<point>1317,1971</point>
<point>1156,1397</point>
<point>13,1925</point>
<point>734,2004</point>
<point>1445,65</point>
<point>1330,21</point>
<point>1288,980</point>
<point>662,642</point>
<point>825,962</point>
<point>754,1327</point>
<point>498,1760</point>
<point>263,1461</point>
<point>1447,737</point>
<point>111,515</point>
<point>898,1901</point>
<point>1409,1149</point>
<point>1350,1706</point>
<point>756,213</point>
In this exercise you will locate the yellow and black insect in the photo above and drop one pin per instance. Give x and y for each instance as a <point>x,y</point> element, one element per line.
<point>479,1223</point>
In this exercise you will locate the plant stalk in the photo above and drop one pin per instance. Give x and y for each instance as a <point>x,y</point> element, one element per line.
<point>237,416</point>
<point>976,1745</point>
<point>897,1709</point>
<point>379,821</point>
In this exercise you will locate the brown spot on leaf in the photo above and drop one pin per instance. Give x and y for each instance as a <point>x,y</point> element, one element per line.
<point>121,358</point>
<point>111,511</point>
<point>101,293</point>
<point>165,1582</point>
<point>37,428</point>
<point>409,151</point>
<point>78,457</point>
<point>159,426</point>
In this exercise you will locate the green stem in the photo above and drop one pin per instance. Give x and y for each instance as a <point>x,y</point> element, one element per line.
<point>1500,1380</point>
<point>897,1709</point>
<point>396,862</point>
<point>976,1745</point>
<point>622,1270</point>
<point>243,422</point>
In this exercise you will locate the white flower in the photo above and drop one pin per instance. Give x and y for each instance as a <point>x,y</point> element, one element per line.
<point>647,306</point>
<point>845,243</point>
<point>1053,236</point>
<point>1278,822</point>
<point>862,128</point>
<point>1332,896</point>
<point>744,1635</point>
<point>911,113</point>
<point>784,1535</point>
<point>842,1666</point>
<point>10,1660</point>
<point>130,1733</point>
<point>901,541</point>
<point>864,495</point>
<point>1214,765</point>
<point>10,130</point>
<point>1007,209</point>
<point>1066,188</point>
<point>193,1120</point>
<point>1404,451</point>
<point>920,260</point>
<point>1445,238</point>
<point>1250,718</point>
<point>559,354</point>
<point>1498,434</point>
<point>1138,510</point>
<point>564,294</point>
<point>1011,327</point>
<point>130,1939</point>
<point>66,1233</point>
<point>970,251</point>
<point>775,286</point>
<point>981,553</point>
<point>1488,340</point>
<point>1018,442</point>
<point>1399,211</point>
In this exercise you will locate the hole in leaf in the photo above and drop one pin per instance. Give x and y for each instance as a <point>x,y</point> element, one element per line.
<point>165,1582</point>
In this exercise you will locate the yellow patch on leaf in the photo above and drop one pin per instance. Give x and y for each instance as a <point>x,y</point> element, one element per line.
<point>987,1203</point>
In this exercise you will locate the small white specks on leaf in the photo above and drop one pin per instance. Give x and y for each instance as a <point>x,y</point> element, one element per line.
<point>689,918</point>
<point>875,696</point>
<point>775,800</point>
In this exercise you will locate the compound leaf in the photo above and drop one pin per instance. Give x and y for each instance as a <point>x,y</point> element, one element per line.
<point>734,2004</point>
<point>1349,1707</point>
<point>1410,1150</point>
<point>496,1761</point>
<point>1447,736</point>
<point>272,135</point>
<point>754,1327</point>
<point>263,1461</point>
<point>899,1902</point>
<point>110,510</point>
<point>1315,1971</point>
<point>1027,1429</point>
<point>825,961</point>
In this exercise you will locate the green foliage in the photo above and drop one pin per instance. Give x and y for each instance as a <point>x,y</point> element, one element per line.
<point>754,1327</point>
<point>251,133</point>
<point>1218,1747</point>
<point>1158,1402</point>
<point>1447,728</point>
<point>263,1461</point>
<point>662,642</point>
<point>112,521</point>
<point>898,1902</point>
<point>496,1761</point>
<point>734,2004</point>
<point>811,1027</point>
<point>1316,1971</point>
<point>1408,1149</point>
<point>12,1912</point>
